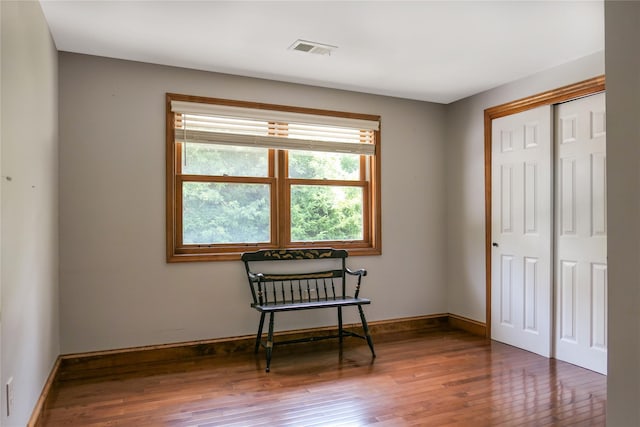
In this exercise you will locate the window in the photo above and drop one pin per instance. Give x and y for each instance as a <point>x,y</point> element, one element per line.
<point>244,176</point>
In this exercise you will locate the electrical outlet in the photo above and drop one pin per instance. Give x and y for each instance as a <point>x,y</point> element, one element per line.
<point>9,394</point>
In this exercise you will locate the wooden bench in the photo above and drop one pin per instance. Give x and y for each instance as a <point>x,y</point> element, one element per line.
<point>310,279</point>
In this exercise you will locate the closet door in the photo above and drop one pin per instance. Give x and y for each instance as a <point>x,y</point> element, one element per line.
<point>521,197</point>
<point>581,233</point>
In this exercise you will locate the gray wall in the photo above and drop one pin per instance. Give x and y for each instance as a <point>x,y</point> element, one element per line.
<point>116,288</point>
<point>622,23</point>
<point>29,215</point>
<point>465,268</point>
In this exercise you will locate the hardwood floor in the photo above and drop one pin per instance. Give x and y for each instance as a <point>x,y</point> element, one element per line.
<point>443,378</point>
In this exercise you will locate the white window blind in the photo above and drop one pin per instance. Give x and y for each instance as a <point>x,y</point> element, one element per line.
<point>218,124</point>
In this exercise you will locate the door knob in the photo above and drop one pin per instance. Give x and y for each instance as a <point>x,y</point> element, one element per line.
<point>495,245</point>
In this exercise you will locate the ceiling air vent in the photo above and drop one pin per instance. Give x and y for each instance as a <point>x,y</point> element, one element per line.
<point>312,47</point>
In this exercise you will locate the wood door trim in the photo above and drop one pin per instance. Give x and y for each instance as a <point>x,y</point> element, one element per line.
<point>555,96</point>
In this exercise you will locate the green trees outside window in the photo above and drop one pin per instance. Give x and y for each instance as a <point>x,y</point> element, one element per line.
<point>220,213</point>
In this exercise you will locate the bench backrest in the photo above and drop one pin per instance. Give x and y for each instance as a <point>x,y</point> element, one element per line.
<point>288,283</point>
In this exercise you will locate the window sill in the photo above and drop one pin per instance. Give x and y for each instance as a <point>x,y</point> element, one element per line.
<point>235,256</point>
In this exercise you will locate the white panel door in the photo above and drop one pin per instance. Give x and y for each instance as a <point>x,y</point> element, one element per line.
<point>521,278</point>
<point>581,233</point>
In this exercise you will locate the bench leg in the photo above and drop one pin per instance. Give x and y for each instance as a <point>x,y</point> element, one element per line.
<point>259,337</point>
<point>340,324</point>
<point>269,342</point>
<point>365,327</point>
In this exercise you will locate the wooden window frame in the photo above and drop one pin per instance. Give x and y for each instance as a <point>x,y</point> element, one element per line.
<point>280,186</point>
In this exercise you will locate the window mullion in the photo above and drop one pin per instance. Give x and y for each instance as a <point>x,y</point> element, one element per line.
<point>327,182</point>
<point>282,174</point>
<point>284,211</point>
<point>273,188</point>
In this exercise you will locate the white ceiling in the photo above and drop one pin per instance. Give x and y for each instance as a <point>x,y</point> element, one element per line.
<point>424,50</point>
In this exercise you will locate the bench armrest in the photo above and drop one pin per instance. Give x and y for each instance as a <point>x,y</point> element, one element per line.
<point>255,276</point>
<point>360,272</point>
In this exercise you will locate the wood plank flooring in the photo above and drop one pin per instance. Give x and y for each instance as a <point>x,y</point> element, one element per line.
<point>441,378</point>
